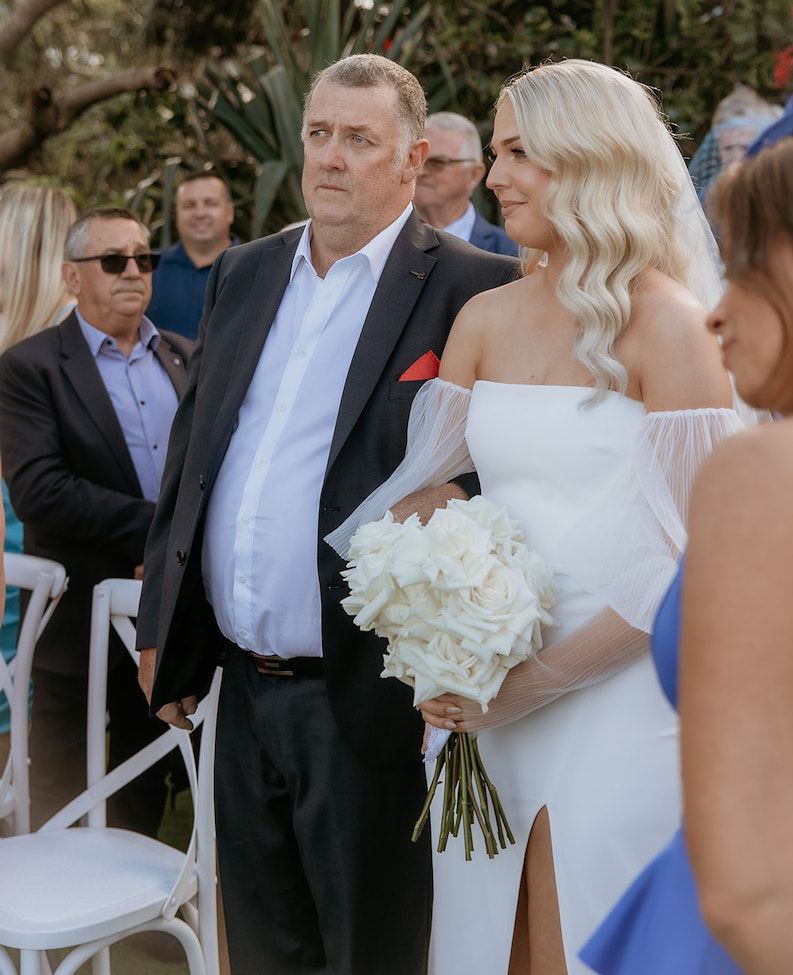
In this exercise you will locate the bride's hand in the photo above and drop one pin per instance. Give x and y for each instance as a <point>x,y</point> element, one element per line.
<point>449,711</point>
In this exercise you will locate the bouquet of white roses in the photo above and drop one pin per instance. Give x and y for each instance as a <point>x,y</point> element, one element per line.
<point>461,600</point>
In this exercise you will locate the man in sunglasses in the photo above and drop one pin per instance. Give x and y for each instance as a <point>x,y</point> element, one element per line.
<point>85,413</point>
<point>450,174</point>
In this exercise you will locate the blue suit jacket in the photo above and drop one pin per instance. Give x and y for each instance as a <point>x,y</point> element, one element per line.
<point>489,237</point>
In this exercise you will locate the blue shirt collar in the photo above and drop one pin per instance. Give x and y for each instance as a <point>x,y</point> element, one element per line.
<point>148,335</point>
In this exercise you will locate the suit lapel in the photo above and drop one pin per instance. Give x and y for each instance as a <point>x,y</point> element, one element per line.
<point>80,369</point>
<point>252,325</point>
<point>173,363</point>
<point>401,283</point>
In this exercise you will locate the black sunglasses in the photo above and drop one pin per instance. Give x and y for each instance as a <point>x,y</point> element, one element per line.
<point>117,263</point>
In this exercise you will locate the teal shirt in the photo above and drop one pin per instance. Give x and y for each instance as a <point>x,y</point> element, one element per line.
<point>8,631</point>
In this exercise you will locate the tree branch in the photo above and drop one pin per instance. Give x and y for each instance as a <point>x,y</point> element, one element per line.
<point>50,112</point>
<point>17,26</point>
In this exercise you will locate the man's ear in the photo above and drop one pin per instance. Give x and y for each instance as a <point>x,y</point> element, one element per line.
<point>71,277</point>
<point>478,170</point>
<point>415,160</point>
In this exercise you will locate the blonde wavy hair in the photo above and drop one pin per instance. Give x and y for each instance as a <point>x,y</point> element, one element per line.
<point>616,173</point>
<point>34,221</point>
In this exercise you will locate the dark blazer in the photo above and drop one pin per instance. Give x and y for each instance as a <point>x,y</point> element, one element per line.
<point>426,280</point>
<point>491,238</point>
<point>70,476</point>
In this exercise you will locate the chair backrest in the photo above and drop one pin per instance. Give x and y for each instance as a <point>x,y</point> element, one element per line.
<point>115,604</point>
<point>46,582</point>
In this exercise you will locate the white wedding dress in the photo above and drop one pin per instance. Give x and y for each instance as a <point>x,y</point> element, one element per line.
<point>603,759</point>
<point>602,491</point>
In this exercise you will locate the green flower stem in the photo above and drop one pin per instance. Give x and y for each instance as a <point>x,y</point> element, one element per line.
<point>494,797</point>
<point>447,810</point>
<point>468,795</point>
<point>481,809</point>
<point>425,809</point>
<point>465,807</point>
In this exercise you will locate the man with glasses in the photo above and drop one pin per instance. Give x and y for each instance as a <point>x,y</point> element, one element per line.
<point>450,174</point>
<point>85,413</point>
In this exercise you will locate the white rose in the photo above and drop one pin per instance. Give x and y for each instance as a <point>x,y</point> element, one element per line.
<point>460,600</point>
<point>375,536</point>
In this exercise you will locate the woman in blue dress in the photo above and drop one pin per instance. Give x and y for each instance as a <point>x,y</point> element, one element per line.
<point>719,899</point>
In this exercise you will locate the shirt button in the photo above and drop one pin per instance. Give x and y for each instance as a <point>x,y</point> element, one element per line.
<point>242,633</point>
<point>241,579</point>
<point>303,353</point>
<point>282,408</point>
<point>245,520</point>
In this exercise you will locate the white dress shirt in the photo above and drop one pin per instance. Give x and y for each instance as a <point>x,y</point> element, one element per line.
<point>259,556</point>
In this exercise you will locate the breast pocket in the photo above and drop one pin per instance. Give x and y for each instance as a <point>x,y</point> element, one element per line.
<point>405,389</point>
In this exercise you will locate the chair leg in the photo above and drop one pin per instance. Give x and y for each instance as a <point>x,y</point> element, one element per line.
<point>100,963</point>
<point>30,961</point>
<point>7,967</point>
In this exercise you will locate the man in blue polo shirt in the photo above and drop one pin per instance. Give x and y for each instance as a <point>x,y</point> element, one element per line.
<point>204,214</point>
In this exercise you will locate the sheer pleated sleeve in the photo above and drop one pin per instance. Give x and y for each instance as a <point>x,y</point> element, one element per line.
<point>436,453</point>
<point>625,545</point>
<point>626,553</point>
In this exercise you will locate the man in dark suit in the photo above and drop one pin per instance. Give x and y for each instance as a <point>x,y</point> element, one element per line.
<point>85,412</point>
<point>312,345</point>
<point>450,174</point>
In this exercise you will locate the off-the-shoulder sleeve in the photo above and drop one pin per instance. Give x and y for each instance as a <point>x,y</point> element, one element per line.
<point>626,545</point>
<point>436,453</point>
<point>625,552</point>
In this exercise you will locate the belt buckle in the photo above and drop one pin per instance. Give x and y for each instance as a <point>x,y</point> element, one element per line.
<point>279,668</point>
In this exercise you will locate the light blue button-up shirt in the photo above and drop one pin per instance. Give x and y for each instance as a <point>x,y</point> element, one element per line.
<point>142,395</point>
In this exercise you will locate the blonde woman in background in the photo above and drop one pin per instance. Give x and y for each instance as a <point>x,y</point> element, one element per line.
<point>33,225</point>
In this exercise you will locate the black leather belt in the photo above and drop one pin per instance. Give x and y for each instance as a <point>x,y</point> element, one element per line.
<point>288,666</point>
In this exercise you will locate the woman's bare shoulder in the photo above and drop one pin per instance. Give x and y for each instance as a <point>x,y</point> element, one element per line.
<point>476,326</point>
<point>506,299</point>
<point>677,360</point>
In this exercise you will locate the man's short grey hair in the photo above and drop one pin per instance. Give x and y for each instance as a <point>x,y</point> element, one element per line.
<point>459,125</point>
<point>368,70</point>
<point>77,237</point>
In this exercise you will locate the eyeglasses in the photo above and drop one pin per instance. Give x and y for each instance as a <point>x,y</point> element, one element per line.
<point>117,263</point>
<point>434,164</point>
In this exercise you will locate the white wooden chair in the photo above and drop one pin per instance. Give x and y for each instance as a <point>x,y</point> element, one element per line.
<point>91,886</point>
<point>45,580</point>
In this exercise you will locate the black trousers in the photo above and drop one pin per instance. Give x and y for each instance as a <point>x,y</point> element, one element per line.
<point>317,869</point>
<point>57,747</point>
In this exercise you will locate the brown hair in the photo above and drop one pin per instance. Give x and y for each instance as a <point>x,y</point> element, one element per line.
<point>753,217</point>
<point>752,211</point>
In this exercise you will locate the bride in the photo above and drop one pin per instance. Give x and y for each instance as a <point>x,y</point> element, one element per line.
<point>587,393</point>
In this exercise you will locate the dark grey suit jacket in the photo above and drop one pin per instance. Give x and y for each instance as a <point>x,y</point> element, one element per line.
<point>70,476</point>
<point>426,280</point>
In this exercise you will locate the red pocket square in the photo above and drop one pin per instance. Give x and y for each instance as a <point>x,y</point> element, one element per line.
<point>424,368</point>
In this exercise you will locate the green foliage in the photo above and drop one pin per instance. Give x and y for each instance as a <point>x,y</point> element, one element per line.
<point>239,112</point>
<point>259,102</point>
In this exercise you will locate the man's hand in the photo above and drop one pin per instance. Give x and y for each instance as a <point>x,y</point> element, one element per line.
<point>175,713</point>
<point>425,502</point>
